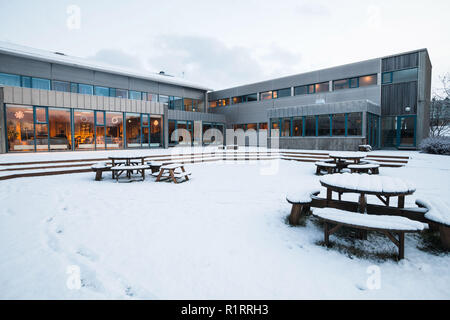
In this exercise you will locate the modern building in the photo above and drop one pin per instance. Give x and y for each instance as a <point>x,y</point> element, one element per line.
<point>53,102</point>
<point>383,102</point>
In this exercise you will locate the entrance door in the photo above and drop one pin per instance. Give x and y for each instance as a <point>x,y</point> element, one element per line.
<point>406,131</point>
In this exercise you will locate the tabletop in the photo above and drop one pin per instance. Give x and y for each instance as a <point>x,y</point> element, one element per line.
<point>172,166</point>
<point>126,157</point>
<point>368,184</point>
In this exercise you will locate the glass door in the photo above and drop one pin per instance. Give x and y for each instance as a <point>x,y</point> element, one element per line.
<point>406,131</point>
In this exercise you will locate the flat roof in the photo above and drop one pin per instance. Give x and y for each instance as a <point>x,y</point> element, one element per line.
<point>61,58</point>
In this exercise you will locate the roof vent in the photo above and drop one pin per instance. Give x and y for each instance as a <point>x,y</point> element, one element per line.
<point>162,73</point>
<point>60,53</point>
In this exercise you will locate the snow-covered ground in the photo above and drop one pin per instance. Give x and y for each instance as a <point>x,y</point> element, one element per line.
<point>221,235</point>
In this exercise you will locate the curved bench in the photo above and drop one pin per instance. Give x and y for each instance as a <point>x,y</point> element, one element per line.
<point>301,205</point>
<point>388,225</point>
<point>325,166</point>
<point>365,168</point>
<point>439,217</point>
<point>99,168</point>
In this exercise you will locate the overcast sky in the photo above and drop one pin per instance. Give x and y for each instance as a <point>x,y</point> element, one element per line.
<point>222,44</point>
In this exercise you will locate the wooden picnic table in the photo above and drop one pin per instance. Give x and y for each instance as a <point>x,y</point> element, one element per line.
<point>169,172</point>
<point>126,161</point>
<point>341,159</point>
<point>382,187</point>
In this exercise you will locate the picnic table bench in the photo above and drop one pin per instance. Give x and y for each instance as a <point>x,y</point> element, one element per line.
<point>365,168</point>
<point>169,172</point>
<point>99,168</point>
<point>438,216</point>
<point>301,204</point>
<point>388,225</point>
<point>325,166</point>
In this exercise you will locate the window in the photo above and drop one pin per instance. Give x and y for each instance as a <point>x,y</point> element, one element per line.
<point>286,127</point>
<point>122,93</point>
<point>135,95</point>
<point>60,129</point>
<point>155,131</point>
<point>26,82</point>
<point>85,89</point>
<point>102,91</point>
<point>252,126</point>
<point>20,128</point>
<point>133,130</point>
<point>263,126</point>
<point>152,97</point>
<point>301,90</point>
<point>41,127</point>
<point>406,75</point>
<point>100,130</point>
<point>368,80</point>
<point>268,95</point>
<point>219,103</point>
<point>9,80</point>
<point>338,124</point>
<point>172,132</point>
<point>297,127</point>
<point>163,99</point>
<point>74,87</point>
<point>310,126</point>
<point>283,93</point>
<point>322,87</point>
<point>251,97</point>
<point>84,130</point>
<point>341,84</point>
<point>175,103</point>
<point>188,104</point>
<point>114,130</point>
<point>39,83</point>
<point>354,124</point>
<point>236,100</point>
<point>323,123</point>
<point>62,86</point>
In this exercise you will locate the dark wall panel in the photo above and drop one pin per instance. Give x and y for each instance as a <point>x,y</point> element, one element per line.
<point>395,97</point>
<point>401,62</point>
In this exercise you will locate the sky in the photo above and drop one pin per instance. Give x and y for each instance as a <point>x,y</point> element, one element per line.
<point>221,44</point>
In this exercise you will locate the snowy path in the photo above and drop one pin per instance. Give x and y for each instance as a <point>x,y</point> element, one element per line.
<point>221,235</point>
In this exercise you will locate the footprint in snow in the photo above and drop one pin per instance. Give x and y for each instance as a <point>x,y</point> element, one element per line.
<point>87,253</point>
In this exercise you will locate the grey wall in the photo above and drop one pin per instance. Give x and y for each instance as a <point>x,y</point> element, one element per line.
<point>55,71</point>
<point>322,143</point>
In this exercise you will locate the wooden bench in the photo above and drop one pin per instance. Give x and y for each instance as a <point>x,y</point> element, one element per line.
<point>155,166</point>
<point>438,216</point>
<point>301,205</point>
<point>365,168</point>
<point>365,148</point>
<point>388,225</point>
<point>99,168</point>
<point>118,170</point>
<point>325,166</point>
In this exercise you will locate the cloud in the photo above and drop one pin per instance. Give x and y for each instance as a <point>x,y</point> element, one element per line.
<point>313,9</point>
<point>117,58</point>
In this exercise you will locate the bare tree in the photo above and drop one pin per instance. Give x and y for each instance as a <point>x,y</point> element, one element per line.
<point>440,109</point>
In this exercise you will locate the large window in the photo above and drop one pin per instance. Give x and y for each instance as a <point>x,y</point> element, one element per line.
<point>61,86</point>
<point>406,75</point>
<point>298,91</point>
<point>9,80</point>
<point>286,127</point>
<point>85,89</point>
<point>321,87</point>
<point>357,82</point>
<point>102,91</point>
<point>281,93</point>
<point>176,103</point>
<point>188,104</point>
<point>354,124</point>
<point>163,99</point>
<point>368,80</point>
<point>312,88</point>
<point>323,122</point>
<point>20,128</point>
<point>38,83</point>
<point>338,124</point>
<point>268,95</point>
<point>41,127</point>
<point>135,95</point>
<point>59,129</point>
<point>172,134</point>
<point>100,130</point>
<point>114,130</point>
<point>275,124</point>
<point>155,131</point>
<point>133,130</point>
<point>310,126</point>
<point>297,127</point>
<point>84,130</point>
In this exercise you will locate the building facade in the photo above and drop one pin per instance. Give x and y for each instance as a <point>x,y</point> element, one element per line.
<point>383,102</point>
<point>53,102</point>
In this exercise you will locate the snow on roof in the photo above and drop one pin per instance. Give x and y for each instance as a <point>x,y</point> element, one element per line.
<point>61,58</point>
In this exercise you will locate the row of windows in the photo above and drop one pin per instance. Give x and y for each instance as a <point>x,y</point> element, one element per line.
<point>251,126</point>
<point>344,124</point>
<point>176,136</point>
<point>177,103</point>
<point>348,83</point>
<point>400,76</point>
<point>57,129</point>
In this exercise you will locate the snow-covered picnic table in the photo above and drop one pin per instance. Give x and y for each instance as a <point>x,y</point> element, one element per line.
<point>356,157</point>
<point>126,161</point>
<point>364,184</point>
<point>169,172</point>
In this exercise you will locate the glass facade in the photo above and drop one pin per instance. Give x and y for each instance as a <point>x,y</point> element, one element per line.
<point>39,83</point>
<point>156,132</point>
<point>114,130</point>
<point>60,130</point>
<point>310,126</point>
<point>338,124</point>
<point>62,86</point>
<point>323,125</point>
<point>406,75</point>
<point>297,126</point>
<point>133,130</point>
<point>85,89</point>
<point>102,91</point>
<point>20,128</point>
<point>354,124</point>
<point>84,130</point>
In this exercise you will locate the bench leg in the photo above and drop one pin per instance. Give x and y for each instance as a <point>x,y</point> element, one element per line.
<point>444,233</point>
<point>98,175</point>
<point>318,171</point>
<point>401,202</point>
<point>294,217</point>
<point>326,234</point>
<point>401,247</point>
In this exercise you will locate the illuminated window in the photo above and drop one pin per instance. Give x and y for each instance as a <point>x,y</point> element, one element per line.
<point>268,95</point>
<point>20,128</point>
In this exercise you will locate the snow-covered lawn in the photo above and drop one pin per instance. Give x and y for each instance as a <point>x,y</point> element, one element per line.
<point>221,235</point>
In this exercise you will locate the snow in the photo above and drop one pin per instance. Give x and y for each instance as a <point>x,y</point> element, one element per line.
<point>325,164</point>
<point>348,154</point>
<point>221,235</point>
<point>370,221</point>
<point>301,196</point>
<point>363,166</point>
<point>438,209</point>
<point>369,183</point>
